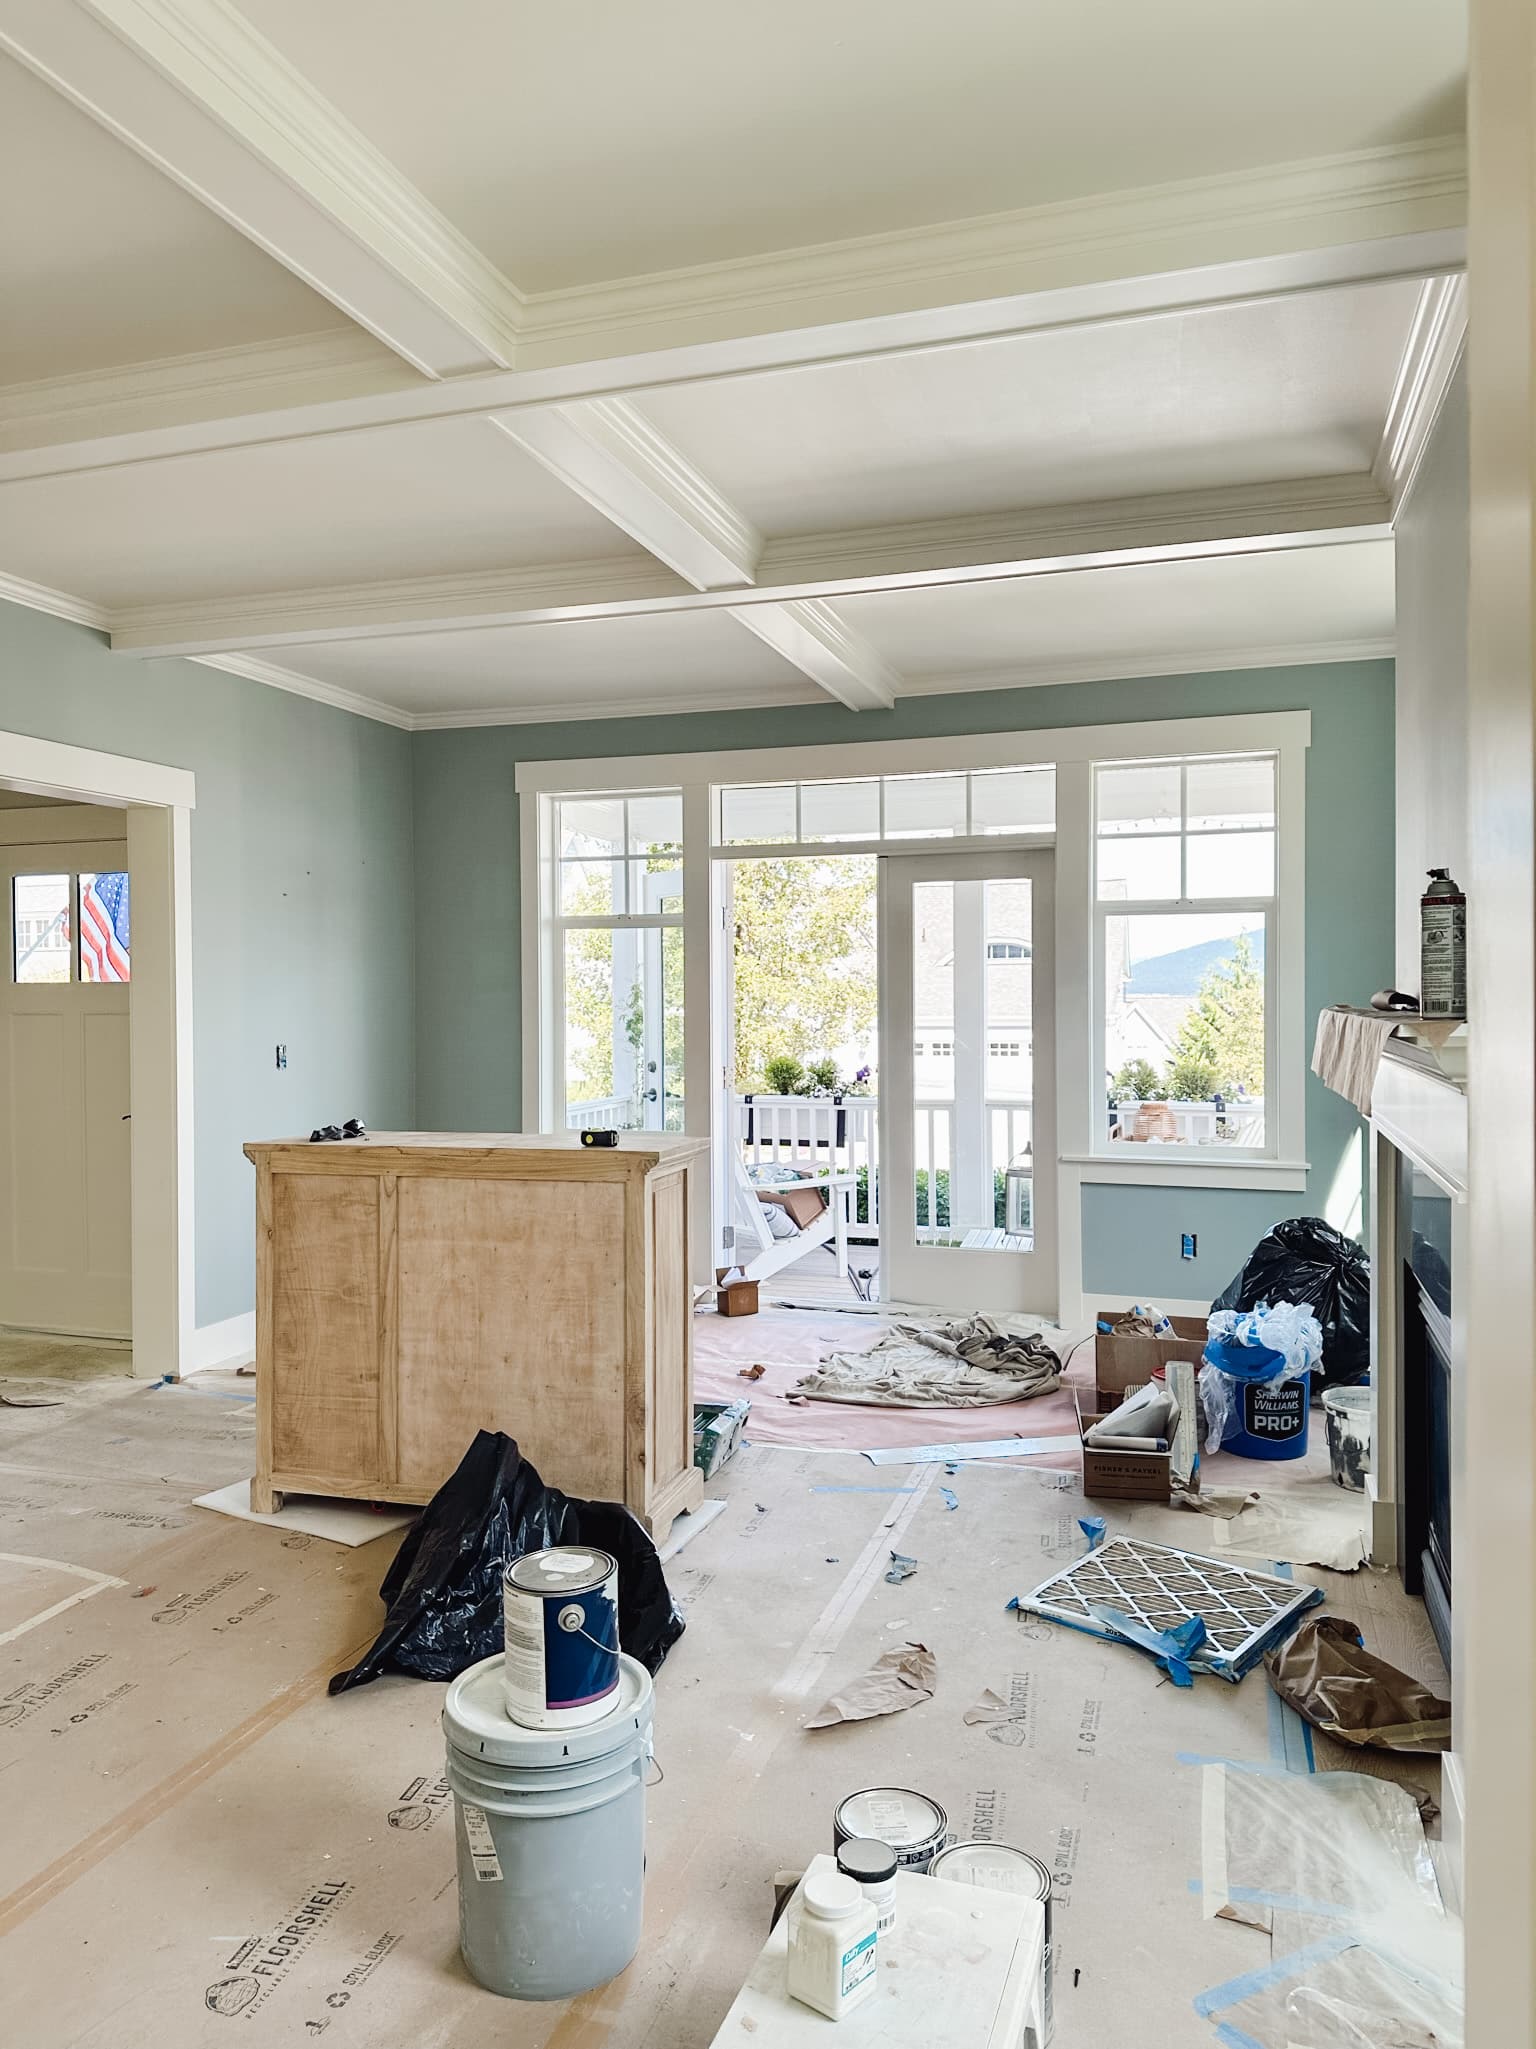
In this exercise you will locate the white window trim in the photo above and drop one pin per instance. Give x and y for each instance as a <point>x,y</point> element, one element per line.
<point>1072,750</point>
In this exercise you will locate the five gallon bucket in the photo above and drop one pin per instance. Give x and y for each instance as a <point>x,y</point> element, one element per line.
<point>1347,1412</point>
<point>1269,1418</point>
<point>551,1836</point>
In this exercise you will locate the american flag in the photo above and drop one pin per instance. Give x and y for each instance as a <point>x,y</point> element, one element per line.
<point>104,928</point>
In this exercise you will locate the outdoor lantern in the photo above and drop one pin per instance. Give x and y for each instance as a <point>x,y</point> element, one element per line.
<point>1018,1194</point>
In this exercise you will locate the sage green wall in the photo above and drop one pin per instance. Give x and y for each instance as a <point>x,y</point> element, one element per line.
<point>302,885</point>
<point>468,1003</point>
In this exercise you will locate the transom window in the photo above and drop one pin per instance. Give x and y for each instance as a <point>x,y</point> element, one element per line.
<point>48,911</point>
<point>961,805</point>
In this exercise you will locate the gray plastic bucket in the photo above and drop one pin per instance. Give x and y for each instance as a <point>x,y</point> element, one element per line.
<point>1347,1411</point>
<point>550,1827</point>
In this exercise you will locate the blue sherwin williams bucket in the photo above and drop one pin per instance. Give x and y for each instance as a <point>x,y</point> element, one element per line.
<point>550,1828</point>
<point>1268,1419</point>
<point>562,1636</point>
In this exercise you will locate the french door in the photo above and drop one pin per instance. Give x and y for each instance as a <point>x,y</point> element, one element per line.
<point>967,1081</point>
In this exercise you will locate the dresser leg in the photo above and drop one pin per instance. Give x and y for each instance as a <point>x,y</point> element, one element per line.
<point>265,1498</point>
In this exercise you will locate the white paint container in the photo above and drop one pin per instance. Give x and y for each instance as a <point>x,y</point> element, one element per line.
<point>1000,1868</point>
<point>911,1823</point>
<point>550,1827</point>
<point>562,1636</point>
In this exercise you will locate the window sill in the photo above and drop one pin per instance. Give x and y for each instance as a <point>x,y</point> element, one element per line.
<point>1275,1175</point>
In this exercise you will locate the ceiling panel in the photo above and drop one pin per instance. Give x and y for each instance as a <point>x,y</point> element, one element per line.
<point>1282,388</point>
<point>435,497</point>
<point>581,143</point>
<point>1306,596</point>
<point>665,662</point>
<point>107,262</point>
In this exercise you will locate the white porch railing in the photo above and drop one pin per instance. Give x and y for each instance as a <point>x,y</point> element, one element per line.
<point>816,1133</point>
<point>598,1113</point>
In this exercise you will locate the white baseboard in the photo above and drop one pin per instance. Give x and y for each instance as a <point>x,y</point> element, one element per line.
<point>230,1343</point>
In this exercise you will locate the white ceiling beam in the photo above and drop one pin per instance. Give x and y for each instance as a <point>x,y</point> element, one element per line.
<point>803,569</point>
<point>1394,214</point>
<point>608,453</point>
<point>809,634</point>
<point>1436,343</point>
<point>192,87</point>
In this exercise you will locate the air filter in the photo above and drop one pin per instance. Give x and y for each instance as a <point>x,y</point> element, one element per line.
<point>1244,1611</point>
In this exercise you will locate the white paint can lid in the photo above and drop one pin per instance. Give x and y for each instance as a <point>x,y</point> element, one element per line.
<point>475,1720</point>
<point>994,1865</point>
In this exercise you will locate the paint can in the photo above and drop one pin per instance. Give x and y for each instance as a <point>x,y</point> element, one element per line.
<point>1003,1869</point>
<point>562,1636</point>
<point>1347,1413</point>
<point>912,1824</point>
<point>550,1832</point>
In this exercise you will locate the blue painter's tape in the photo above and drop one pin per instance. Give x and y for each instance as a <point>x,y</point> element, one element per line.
<point>1236,1990</point>
<point>863,1490</point>
<point>1288,1903</point>
<point>1235,2038</point>
<point>1092,1527</point>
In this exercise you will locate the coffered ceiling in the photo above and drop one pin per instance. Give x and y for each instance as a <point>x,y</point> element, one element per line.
<point>552,365</point>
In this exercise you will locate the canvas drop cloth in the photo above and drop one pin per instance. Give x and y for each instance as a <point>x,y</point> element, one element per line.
<point>968,1362</point>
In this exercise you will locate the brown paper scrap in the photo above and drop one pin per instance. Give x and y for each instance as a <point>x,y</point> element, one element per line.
<point>899,1679</point>
<point>1334,1683</point>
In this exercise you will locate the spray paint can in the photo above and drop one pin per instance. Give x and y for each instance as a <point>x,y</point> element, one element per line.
<point>1442,948</point>
<point>562,1636</point>
<point>1004,1869</point>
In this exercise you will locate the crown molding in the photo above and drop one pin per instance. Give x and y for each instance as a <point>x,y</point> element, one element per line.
<point>1363,195</point>
<point>608,453</point>
<point>797,571</point>
<point>38,597</point>
<point>297,685</point>
<point>1431,356</point>
<point>1201,661</point>
<point>749,697</point>
<point>289,370</point>
<point>193,88</point>
<point>537,595</point>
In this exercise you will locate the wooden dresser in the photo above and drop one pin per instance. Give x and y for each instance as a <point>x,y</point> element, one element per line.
<point>415,1287</point>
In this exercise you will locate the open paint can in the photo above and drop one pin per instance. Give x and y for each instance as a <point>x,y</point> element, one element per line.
<point>912,1824</point>
<point>1003,1869</point>
<point>562,1622</point>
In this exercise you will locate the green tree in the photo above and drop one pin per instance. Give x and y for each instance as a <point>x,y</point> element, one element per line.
<point>1137,1078</point>
<point>805,959</point>
<point>1225,1030</point>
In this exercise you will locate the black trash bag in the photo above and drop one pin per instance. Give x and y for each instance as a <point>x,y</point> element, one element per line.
<point>443,1591</point>
<point>1305,1260</point>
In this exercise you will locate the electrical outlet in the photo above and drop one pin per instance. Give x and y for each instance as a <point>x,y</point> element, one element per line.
<point>282,1056</point>
<point>1187,1245</point>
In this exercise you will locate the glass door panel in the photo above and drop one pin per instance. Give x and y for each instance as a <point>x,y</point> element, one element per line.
<point>968,1067</point>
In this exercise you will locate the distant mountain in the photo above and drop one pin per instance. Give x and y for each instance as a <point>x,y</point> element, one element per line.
<point>1180,973</point>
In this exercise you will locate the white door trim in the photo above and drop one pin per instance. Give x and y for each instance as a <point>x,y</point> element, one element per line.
<point>159,800</point>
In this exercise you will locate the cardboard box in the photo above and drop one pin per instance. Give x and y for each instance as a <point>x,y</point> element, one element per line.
<point>1120,1364</point>
<point>739,1299</point>
<point>1120,1475</point>
<point>803,1205</point>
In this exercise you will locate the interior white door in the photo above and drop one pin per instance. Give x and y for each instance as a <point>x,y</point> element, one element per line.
<point>967,1067</point>
<point>65,1232</point>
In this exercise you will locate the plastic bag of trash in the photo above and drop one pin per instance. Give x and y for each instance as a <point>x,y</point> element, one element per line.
<point>1268,1344</point>
<point>444,1589</point>
<point>1328,1676</point>
<point>1305,1260</point>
